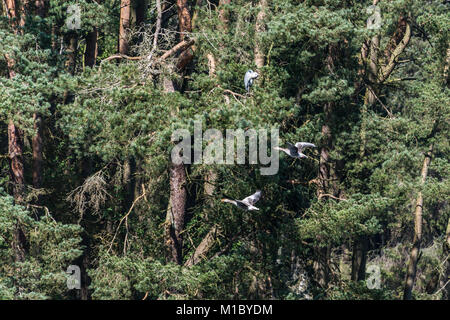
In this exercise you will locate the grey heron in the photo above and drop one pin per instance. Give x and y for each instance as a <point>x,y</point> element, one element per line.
<point>249,77</point>
<point>295,151</point>
<point>247,203</point>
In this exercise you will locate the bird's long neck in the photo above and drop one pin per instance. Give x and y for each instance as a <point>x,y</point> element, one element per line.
<point>229,201</point>
<point>282,149</point>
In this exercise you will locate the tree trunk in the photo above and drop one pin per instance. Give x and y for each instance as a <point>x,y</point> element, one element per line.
<point>259,28</point>
<point>11,13</point>
<point>90,55</point>
<point>37,141</point>
<point>176,212</point>
<point>321,266</point>
<point>327,176</point>
<point>15,146</point>
<point>129,181</point>
<point>414,255</point>
<point>444,283</point>
<point>140,9</point>
<point>72,53</point>
<point>184,18</point>
<point>41,8</point>
<point>177,201</point>
<point>124,25</point>
<point>359,258</point>
<point>324,161</point>
<point>37,151</point>
<point>185,27</point>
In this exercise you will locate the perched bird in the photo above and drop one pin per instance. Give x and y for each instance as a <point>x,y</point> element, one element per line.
<point>295,151</point>
<point>247,203</point>
<point>250,75</point>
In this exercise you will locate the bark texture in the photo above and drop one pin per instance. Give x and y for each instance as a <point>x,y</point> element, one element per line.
<point>414,255</point>
<point>124,25</point>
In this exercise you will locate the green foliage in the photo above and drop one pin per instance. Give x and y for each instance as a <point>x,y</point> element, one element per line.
<point>52,246</point>
<point>101,123</point>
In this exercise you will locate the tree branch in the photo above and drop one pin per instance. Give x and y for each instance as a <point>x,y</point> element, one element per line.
<point>393,60</point>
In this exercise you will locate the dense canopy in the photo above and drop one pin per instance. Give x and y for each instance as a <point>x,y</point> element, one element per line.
<point>92,91</point>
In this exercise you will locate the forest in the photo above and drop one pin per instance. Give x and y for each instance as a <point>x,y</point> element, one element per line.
<point>338,189</point>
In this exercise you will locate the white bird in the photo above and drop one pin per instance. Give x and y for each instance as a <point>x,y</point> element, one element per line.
<point>295,151</point>
<point>250,75</point>
<point>247,203</point>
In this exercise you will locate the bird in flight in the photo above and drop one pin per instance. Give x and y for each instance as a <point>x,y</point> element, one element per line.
<point>247,203</point>
<point>250,75</point>
<point>295,151</point>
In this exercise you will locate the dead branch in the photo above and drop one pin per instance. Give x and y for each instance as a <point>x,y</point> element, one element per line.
<point>330,196</point>
<point>125,217</point>
<point>183,45</point>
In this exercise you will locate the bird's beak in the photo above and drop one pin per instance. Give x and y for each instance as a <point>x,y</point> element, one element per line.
<point>222,200</point>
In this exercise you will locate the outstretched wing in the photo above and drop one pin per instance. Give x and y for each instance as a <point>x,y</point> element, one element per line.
<point>253,198</point>
<point>302,145</point>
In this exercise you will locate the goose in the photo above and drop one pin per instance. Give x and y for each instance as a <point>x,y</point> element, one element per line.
<point>247,203</point>
<point>295,151</point>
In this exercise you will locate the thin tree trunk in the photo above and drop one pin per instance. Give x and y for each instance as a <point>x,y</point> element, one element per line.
<point>141,9</point>
<point>324,161</point>
<point>129,163</point>
<point>72,53</point>
<point>359,258</point>
<point>327,177</point>
<point>23,7</point>
<point>37,151</point>
<point>41,8</point>
<point>90,55</point>
<point>37,140</point>
<point>321,266</point>
<point>176,209</point>
<point>124,25</point>
<point>11,13</point>
<point>129,181</point>
<point>184,18</point>
<point>185,27</point>
<point>414,255</point>
<point>444,283</point>
<point>176,212</point>
<point>15,146</point>
<point>260,27</point>
<point>15,135</point>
